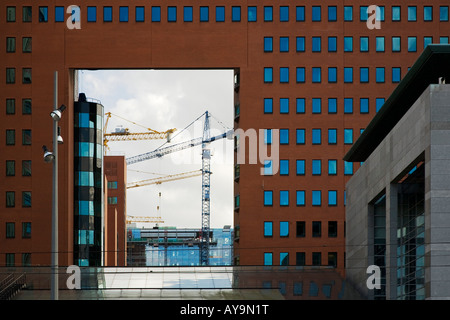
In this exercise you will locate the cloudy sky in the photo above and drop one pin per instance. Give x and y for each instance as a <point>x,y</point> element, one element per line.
<point>161,100</point>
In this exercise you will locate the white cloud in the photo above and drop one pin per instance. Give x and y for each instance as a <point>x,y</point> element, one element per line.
<point>163,100</point>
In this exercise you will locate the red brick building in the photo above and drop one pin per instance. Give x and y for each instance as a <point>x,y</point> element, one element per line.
<point>316,71</point>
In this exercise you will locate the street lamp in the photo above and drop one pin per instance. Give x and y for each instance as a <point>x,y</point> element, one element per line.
<point>56,115</point>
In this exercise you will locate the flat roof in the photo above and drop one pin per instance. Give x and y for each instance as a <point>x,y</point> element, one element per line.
<point>432,64</point>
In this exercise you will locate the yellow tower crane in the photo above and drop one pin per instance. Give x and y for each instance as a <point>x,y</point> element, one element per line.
<point>122,134</point>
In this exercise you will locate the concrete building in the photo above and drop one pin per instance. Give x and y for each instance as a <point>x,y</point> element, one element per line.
<point>398,204</point>
<point>315,71</point>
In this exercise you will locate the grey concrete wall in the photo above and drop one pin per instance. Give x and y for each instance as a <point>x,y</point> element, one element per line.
<point>424,131</point>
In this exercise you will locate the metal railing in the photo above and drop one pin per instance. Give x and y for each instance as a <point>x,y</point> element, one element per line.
<point>11,285</point>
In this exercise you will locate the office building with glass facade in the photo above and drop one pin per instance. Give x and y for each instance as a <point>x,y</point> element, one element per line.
<point>398,209</point>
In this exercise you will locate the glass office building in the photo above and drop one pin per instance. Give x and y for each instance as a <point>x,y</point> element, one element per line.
<point>88,182</point>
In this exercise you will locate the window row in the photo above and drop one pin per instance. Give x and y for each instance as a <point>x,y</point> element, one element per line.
<point>268,13</point>
<point>331,104</point>
<point>331,73</point>
<point>11,168</point>
<point>11,44</point>
<point>348,45</point>
<point>11,75</point>
<point>11,230</point>
<point>300,229</point>
<point>316,136</point>
<point>11,137</point>
<point>317,167</point>
<point>11,106</point>
<point>10,259</point>
<point>331,198</point>
<point>300,260</point>
<point>11,199</point>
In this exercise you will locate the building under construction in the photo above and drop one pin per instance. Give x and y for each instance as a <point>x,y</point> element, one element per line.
<point>171,246</point>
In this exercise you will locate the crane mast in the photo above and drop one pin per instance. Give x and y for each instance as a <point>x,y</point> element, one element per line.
<point>206,186</point>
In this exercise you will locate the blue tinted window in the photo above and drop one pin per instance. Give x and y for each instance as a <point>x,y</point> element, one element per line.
<point>363,15</point>
<point>348,44</point>
<point>379,103</point>
<point>268,105</point>
<point>268,198</point>
<point>348,74</point>
<point>332,136</point>
<point>332,44</point>
<point>316,136</point>
<point>396,44</point>
<point>43,14</point>
<point>364,105</point>
<point>268,227</point>
<point>284,197</point>
<point>412,44</point>
<point>364,74</point>
<point>91,14</point>
<point>379,41</point>
<point>284,105</point>
<point>268,258</point>
<point>123,14</point>
<point>268,44</point>
<point>220,14</point>
<point>301,74</point>
<point>427,41</point>
<point>348,13</point>
<point>107,14</point>
<point>268,13</point>
<point>300,198</point>
<point>332,105</point>
<point>443,40</point>
<point>332,74</point>
<point>300,136</point>
<point>348,105</point>
<point>396,74</point>
<point>268,136</point>
<point>59,14</point>
<point>380,74</point>
<point>284,229</point>
<point>251,12</point>
<point>235,14</point>
<point>396,13</point>
<point>316,13</point>
<point>427,13</point>
<point>300,13</point>
<point>443,13</point>
<point>284,167</point>
<point>332,167</point>
<point>364,44</point>
<point>300,167</point>
<point>300,44</point>
<point>316,105</point>
<point>348,168</point>
<point>332,13</point>
<point>316,44</point>
<point>284,136</point>
<point>171,14</point>
<point>284,13</point>
<point>268,75</point>
<point>332,197</point>
<point>348,136</point>
<point>412,13</point>
<point>140,14</point>
<point>316,75</point>
<point>316,197</point>
<point>284,44</point>
<point>156,14</point>
<point>380,13</point>
<point>284,75</point>
<point>300,105</point>
<point>187,14</point>
<point>316,166</point>
<point>204,14</point>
